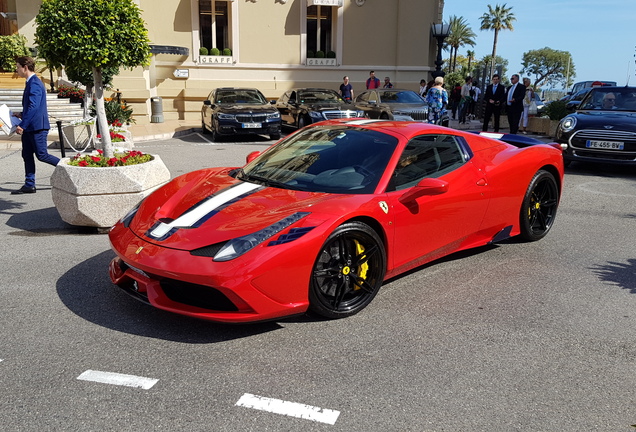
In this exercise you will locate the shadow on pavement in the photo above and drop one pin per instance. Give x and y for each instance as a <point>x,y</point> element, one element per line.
<point>88,292</point>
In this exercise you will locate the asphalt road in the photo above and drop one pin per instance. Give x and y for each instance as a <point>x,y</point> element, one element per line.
<point>515,337</point>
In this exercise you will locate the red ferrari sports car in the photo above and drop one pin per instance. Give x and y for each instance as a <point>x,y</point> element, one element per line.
<point>319,220</point>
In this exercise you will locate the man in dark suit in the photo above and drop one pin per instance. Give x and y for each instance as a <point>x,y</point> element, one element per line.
<point>495,97</point>
<point>34,126</point>
<point>514,103</point>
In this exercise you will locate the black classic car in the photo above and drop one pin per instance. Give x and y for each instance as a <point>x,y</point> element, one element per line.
<point>393,104</point>
<point>303,106</point>
<point>239,111</point>
<point>603,128</point>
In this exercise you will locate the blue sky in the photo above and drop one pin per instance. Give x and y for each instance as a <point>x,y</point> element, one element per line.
<point>600,34</point>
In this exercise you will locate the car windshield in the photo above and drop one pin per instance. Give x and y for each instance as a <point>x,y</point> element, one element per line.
<point>318,96</point>
<point>240,97</point>
<point>610,99</point>
<point>334,159</point>
<point>405,97</point>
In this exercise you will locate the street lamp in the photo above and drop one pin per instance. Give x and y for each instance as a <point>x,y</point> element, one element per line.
<point>440,32</point>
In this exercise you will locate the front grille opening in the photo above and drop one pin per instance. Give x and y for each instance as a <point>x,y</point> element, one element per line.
<point>200,296</point>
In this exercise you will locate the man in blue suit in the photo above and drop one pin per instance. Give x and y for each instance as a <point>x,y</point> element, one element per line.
<point>35,126</point>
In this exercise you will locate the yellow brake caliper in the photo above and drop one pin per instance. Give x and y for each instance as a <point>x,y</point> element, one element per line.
<point>362,271</point>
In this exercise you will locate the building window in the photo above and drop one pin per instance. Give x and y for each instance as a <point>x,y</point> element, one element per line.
<point>214,24</point>
<point>320,26</point>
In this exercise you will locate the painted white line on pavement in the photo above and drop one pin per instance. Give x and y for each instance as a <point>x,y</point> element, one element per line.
<point>291,409</point>
<point>118,379</point>
<point>205,139</point>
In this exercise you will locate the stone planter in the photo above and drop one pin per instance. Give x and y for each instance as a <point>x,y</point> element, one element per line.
<point>539,125</point>
<point>78,137</point>
<point>99,197</point>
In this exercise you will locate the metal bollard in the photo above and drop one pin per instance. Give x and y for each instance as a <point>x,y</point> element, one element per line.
<point>59,132</point>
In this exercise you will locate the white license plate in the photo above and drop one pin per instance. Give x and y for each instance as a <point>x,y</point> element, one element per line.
<point>609,145</point>
<point>251,125</point>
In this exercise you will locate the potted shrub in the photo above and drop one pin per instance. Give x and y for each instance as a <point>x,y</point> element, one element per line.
<point>215,52</point>
<point>203,51</point>
<point>227,52</point>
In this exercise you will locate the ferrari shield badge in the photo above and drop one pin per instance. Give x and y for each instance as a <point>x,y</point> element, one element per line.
<point>384,206</point>
<point>139,250</point>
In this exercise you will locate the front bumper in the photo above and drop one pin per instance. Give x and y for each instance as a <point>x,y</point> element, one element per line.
<point>242,290</point>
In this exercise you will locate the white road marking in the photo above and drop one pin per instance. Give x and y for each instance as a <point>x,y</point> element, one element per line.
<point>205,139</point>
<point>291,409</point>
<point>118,379</point>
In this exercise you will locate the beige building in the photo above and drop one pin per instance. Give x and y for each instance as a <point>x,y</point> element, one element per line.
<point>273,45</point>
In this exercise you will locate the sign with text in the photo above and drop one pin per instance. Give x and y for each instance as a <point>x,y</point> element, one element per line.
<point>337,3</point>
<point>181,73</point>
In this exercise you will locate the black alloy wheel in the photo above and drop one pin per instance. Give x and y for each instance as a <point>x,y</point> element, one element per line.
<point>348,271</point>
<point>539,206</point>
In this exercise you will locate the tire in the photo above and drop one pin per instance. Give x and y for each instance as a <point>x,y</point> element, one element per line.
<point>348,271</point>
<point>384,116</point>
<point>302,121</point>
<point>216,137</point>
<point>539,206</point>
<point>275,136</point>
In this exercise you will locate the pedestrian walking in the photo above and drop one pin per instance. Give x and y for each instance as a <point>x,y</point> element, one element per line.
<point>437,101</point>
<point>34,126</point>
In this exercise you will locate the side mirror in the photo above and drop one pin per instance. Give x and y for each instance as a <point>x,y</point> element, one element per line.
<point>273,102</point>
<point>250,157</point>
<point>207,102</point>
<point>426,187</point>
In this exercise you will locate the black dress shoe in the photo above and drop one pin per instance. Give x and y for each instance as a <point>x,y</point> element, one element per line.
<point>23,190</point>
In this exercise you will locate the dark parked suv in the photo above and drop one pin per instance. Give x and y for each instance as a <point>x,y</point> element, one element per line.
<point>239,111</point>
<point>303,106</point>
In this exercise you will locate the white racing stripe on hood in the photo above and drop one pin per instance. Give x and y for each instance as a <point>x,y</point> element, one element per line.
<point>191,217</point>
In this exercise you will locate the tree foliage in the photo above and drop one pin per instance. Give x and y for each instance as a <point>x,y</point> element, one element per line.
<point>460,34</point>
<point>497,19</point>
<point>549,66</point>
<point>12,47</point>
<point>93,35</point>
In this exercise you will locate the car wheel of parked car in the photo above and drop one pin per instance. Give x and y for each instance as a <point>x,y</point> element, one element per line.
<point>302,121</point>
<point>215,136</point>
<point>348,271</point>
<point>384,116</point>
<point>539,206</point>
<point>275,136</point>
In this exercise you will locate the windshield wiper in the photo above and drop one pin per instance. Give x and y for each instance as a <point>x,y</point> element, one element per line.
<point>263,180</point>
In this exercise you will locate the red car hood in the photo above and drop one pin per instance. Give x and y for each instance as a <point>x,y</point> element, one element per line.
<point>205,207</point>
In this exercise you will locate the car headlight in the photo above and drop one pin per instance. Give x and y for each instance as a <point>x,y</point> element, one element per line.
<point>567,124</point>
<point>224,116</point>
<point>316,115</point>
<point>273,116</point>
<point>240,245</point>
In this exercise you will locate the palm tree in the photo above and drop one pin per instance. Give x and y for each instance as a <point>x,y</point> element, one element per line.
<point>497,19</point>
<point>470,55</point>
<point>460,34</point>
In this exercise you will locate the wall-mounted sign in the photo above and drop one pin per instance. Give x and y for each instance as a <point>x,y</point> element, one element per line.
<point>181,73</point>
<point>324,3</point>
